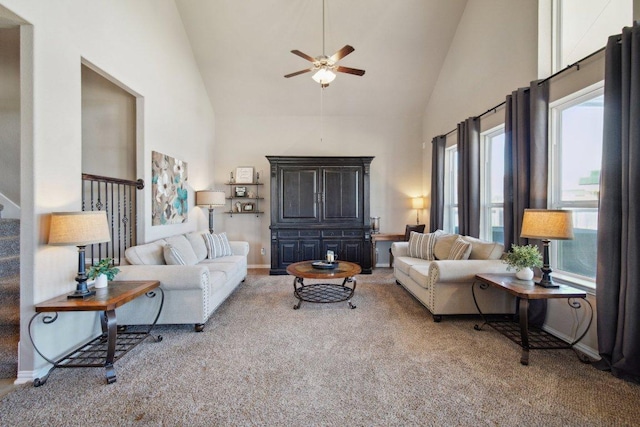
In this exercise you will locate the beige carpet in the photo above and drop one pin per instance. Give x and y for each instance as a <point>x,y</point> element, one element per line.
<point>259,362</point>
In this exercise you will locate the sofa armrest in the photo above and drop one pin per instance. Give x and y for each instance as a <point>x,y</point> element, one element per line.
<point>239,248</point>
<point>399,249</point>
<point>171,277</point>
<point>464,270</point>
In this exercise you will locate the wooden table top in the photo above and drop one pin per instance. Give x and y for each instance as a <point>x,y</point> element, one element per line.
<point>109,298</point>
<point>527,289</point>
<point>388,237</point>
<point>305,270</point>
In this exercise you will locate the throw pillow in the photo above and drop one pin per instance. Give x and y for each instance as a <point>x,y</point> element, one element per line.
<point>217,245</point>
<point>421,245</point>
<point>460,249</point>
<point>172,256</point>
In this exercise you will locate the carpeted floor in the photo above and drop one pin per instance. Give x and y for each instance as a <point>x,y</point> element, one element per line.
<point>259,362</point>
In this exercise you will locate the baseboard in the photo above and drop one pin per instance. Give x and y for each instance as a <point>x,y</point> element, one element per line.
<point>259,266</point>
<point>583,348</point>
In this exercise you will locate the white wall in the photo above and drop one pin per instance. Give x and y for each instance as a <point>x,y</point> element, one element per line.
<point>395,171</point>
<point>141,44</point>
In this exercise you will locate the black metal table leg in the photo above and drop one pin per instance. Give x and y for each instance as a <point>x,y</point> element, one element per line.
<point>524,330</point>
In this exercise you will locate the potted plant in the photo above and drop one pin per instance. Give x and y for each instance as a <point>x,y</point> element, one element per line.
<point>102,272</point>
<point>523,258</point>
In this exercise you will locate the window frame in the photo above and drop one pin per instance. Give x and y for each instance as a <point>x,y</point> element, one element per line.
<point>450,188</point>
<point>554,191</point>
<point>486,205</point>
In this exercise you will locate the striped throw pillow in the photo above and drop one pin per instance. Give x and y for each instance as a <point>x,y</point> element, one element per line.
<point>421,245</point>
<point>172,256</point>
<point>460,250</point>
<point>217,245</point>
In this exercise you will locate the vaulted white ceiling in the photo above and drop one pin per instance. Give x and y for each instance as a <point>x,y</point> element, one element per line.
<point>243,51</point>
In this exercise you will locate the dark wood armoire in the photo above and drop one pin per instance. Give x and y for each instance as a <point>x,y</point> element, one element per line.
<point>319,204</point>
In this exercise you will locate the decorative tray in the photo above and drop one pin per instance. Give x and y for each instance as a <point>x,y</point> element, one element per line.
<point>324,265</point>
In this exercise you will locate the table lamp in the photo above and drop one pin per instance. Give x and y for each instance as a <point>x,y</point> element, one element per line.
<point>546,225</point>
<point>79,229</point>
<point>417,203</point>
<point>210,198</point>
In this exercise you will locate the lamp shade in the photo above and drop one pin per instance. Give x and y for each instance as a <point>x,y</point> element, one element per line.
<point>547,224</point>
<point>417,203</point>
<point>210,198</point>
<point>78,228</point>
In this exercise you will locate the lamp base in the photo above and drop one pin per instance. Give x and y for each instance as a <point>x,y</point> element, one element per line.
<point>547,284</point>
<point>81,294</point>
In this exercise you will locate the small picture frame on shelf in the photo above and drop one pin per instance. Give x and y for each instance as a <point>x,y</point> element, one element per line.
<point>240,191</point>
<point>248,207</point>
<point>244,175</point>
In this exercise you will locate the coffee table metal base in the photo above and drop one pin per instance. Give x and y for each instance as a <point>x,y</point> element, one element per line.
<point>323,292</point>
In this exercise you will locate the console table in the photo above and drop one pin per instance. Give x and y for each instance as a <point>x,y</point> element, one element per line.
<point>112,343</point>
<point>383,237</point>
<point>529,338</point>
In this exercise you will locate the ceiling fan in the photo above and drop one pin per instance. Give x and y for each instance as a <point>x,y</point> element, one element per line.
<point>323,65</point>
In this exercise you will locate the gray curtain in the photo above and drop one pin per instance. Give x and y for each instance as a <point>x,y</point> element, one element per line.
<point>525,168</point>
<point>525,157</point>
<point>436,214</point>
<point>469,177</point>
<point>618,273</point>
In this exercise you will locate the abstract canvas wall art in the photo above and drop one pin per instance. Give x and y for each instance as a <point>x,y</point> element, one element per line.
<point>169,186</point>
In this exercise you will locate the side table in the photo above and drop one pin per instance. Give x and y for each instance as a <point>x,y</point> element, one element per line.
<point>383,237</point>
<point>525,290</point>
<point>111,344</point>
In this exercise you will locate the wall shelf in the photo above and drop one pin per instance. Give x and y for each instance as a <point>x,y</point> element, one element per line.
<point>244,202</point>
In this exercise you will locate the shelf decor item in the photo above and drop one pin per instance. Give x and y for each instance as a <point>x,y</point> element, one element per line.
<point>244,175</point>
<point>523,259</point>
<point>212,199</point>
<point>102,272</point>
<point>79,229</point>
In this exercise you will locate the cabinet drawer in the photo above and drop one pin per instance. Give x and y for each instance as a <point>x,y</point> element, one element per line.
<point>309,233</point>
<point>331,233</point>
<point>287,233</point>
<point>352,233</point>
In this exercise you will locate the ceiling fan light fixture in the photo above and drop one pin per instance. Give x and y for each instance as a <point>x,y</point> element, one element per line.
<point>324,76</point>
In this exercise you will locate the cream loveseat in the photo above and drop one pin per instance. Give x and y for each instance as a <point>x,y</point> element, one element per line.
<point>442,284</point>
<point>213,268</point>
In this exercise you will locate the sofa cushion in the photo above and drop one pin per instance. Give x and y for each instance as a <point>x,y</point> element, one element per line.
<point>405,263</point>
<point>421,245</point>
<point>444,242</point>
<point>196,241</point>
<point>481,249</point>
<point>147,254</point>
<point>420,275</point>
<point>172,256</point>
<point>182,245</point>
<point>460,250</point>
<point>217,245</point>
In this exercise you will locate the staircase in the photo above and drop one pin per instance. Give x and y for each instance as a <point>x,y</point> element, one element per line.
<point>9,296</point>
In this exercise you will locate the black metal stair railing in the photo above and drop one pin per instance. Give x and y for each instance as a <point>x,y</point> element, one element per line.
<point>118,198</point>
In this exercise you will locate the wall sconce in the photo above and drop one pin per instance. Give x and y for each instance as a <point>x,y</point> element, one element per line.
<point>79,229</point>
<point>417,203</point>
<point>210,198</point>
<point>545,225</point>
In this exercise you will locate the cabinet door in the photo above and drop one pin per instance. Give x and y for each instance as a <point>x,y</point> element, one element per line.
<point>352,251</point>
<point>287,252</point>
<point>310,250</point>
<point>298,195</point>
<point>342,189</point>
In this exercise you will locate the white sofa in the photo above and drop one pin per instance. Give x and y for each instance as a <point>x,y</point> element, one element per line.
<point>191,292</point>
<point>443,285</point>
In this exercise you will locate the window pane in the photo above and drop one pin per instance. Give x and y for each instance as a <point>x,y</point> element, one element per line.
<point>497,169</point>
<point>497,224</point>
<point>586,25</point>
<point>581,151</point>
<point>578,256</point>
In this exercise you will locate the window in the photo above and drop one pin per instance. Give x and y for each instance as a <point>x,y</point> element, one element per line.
<point>583,26</point>
<point>451,189</point>
<point>492,182</point>
<point>576,156</point>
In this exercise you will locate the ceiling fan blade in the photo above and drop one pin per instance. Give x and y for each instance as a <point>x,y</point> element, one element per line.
<point>350,70</point>
<point>341,53</point>
<point>298,73</point>
<point>303,55</point>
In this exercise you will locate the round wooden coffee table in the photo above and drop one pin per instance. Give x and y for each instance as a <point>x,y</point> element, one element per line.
<point>323,292</point>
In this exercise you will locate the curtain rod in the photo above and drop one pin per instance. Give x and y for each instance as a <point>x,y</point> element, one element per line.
<point>557,73</point>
